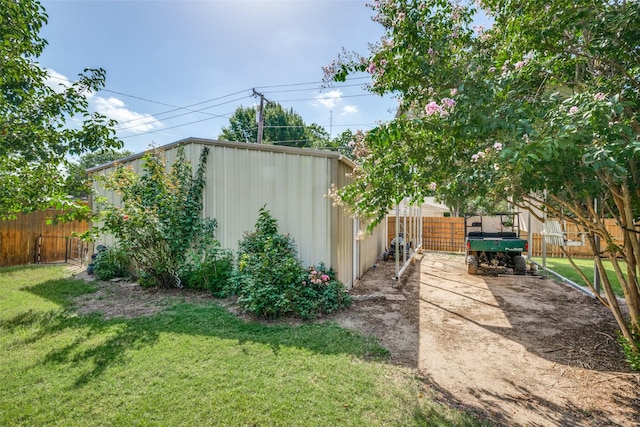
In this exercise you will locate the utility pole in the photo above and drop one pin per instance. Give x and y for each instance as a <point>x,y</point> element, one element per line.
<point>260,114</point>
<point>331,123</point>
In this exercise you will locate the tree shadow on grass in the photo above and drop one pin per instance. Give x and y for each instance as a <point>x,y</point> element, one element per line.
<point>101,343</point>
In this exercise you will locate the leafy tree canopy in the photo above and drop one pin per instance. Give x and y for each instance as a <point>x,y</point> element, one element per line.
<point>281,127</point>
<point>541,109</point>
<point>34,137</point>
<point>77,183</point>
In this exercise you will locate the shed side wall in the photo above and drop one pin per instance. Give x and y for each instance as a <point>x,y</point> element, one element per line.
<point>239,181</point>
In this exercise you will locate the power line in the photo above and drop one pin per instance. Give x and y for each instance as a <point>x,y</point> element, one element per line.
<point>213,116</point>
<point>189,108</point>
<point>178,108</point>
<point>307,89</point>
<point>316,98</point>
<point>173,127</point>
<point>309,83</point>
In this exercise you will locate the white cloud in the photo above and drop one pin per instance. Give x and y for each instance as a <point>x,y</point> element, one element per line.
<point>56,81</point>
<point>60,82</point>
<point>329,99</point>
<point>112,108</point>
<point>115,108</point>
<point>349,109</point>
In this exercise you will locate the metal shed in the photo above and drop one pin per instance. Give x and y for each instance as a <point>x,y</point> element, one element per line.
<point>292,183</point>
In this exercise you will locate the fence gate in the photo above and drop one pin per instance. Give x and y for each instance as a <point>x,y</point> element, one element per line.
<point>76,250</point>
<point>48,249</point>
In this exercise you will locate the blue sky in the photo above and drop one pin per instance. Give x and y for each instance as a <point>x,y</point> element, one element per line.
<point>165,59</point>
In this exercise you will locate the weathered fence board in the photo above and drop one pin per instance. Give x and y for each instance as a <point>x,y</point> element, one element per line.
<point>29,239</point>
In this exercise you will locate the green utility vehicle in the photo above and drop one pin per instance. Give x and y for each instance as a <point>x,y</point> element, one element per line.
<point>493,244</point>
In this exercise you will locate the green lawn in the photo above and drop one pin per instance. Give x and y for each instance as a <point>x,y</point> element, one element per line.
<point>190,365</point>
<point>565,269</point>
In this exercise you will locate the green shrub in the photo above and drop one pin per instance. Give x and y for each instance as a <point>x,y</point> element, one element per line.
<point>330,293</point>
<point>270,280</point>
<point>160,218</point>
<point>633,358</point>
<point>209,269</point>
<point>112,262</point>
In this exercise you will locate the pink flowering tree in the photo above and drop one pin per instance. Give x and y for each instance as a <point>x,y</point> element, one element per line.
<point>544,101</point>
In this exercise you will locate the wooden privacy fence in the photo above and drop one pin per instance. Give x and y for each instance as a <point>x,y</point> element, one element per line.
<point>28,239</point>
<point>446,234</point>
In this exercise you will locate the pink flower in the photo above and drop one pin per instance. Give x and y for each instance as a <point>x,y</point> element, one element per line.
<point>454,91</point>
<point>371,69</point>
<point>448,102</point>
<point>432,108</point>
<point>432,186</point>
<point>599,96</point>
<point>474,158</point>
<point>324,277</point>
<point>497,146</point>
<point>519,65</point>
<point>573,110</point>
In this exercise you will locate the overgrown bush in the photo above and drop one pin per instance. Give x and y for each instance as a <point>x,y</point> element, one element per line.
<point>112,262</point>
<point>209,269</point>
<point>160,219</point>
<point>270,280</point>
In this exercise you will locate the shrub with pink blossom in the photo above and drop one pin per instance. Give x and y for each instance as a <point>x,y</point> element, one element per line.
<point>270,281</point>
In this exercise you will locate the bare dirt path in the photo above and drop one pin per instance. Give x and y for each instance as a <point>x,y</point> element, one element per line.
<point>518,351</point>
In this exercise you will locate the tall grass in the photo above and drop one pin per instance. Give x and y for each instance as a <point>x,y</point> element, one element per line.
<point>190,365</point>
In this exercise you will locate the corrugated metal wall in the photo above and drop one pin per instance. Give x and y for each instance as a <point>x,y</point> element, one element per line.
<point>292,183</point>
<point>371,248</point>
<point>342,231</point>
<point>292,186</point>
<point>346,240</point>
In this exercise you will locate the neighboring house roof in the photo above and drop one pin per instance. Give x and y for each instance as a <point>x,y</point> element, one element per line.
<point>429,206</point>
<point>242,145</point>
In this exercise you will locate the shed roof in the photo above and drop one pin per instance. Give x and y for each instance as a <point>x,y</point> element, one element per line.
<point>241,145</point>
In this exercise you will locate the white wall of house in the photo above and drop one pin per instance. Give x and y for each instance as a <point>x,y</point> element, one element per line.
<point>429,208</point>
<point>292,183</point>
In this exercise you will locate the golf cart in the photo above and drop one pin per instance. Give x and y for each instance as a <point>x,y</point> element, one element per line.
<point>493,244</point>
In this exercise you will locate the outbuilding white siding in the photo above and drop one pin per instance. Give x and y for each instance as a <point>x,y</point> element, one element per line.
<point>292,184</point>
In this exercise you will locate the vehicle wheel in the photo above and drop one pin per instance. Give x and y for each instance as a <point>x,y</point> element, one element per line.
<point>472,264</point>
<point>519,265</point>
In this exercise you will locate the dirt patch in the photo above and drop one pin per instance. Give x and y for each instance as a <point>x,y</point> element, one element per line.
<point>514,350</point>
<point>121,298</point>
<point>521,350</point>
